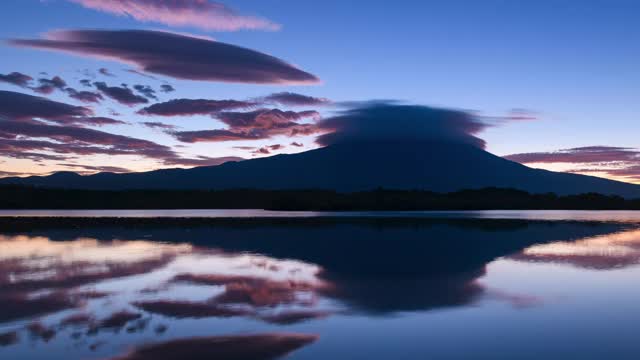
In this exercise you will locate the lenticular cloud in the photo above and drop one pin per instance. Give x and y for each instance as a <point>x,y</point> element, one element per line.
<point>174,55</point>
<point>203,14</point>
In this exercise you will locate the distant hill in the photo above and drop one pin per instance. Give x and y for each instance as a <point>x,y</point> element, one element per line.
<point>432,166</point>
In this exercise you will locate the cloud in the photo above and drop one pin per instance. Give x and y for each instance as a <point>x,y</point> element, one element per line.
<point>202,161</point>
<point>614,161</point>
<point>86,82</point>
<point>166,88</point>
<point>9,338</point>
<point>106,72</point>
<point>78,140</point>
<point>264,118</point>
<point>122,94</point>
<point>238,347</point>
<point>188,309</point>
<point>84,96</point>
<point>94,169</point>
<point>293,99</point>
<point>133,71</point>
<point>173,55</point>
<point>47,86</point>
<point>184,107</point>
<point>385,121</point>
<point>265,150</point>
<point>203,14</point>
<point>213,136</point>
<point>253,125</point>
<point>146,90</point>
<point>16,78</point>
<point>20,106</point>
<point>588,154</point>
<point>23,107</point>
<point>158,125</point>
<point>297,144</point>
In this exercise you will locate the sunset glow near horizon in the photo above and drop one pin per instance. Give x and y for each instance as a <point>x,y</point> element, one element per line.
<point>123,85</point>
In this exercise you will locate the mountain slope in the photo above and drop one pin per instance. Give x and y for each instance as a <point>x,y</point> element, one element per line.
<point>351,167</point>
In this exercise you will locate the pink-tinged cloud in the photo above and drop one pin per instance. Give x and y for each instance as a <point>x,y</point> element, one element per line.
<point>16,78</point>
<point>80,140</point>
<point>611,160</point>
<point>264,118</point>
<point>297,144</point>
<point>293,99</point>
<point>186,107</point>
<point>95,169</point>
<point>202,14</point>
<point>253,125</point>
<point>173,55</point>
<point>588,154</point>
<point>265,150</point>
<point>121,94</point>
<point>238,347</point>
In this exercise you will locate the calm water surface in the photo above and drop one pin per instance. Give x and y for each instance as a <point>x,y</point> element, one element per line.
<point>490,285</point>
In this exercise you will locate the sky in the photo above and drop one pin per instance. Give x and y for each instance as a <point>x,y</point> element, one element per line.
<point>557,81</point>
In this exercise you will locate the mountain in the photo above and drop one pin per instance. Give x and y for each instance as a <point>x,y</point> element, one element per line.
<point>440,167</point>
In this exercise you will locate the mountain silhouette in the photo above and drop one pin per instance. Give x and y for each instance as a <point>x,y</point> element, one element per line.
<point>420,165</point>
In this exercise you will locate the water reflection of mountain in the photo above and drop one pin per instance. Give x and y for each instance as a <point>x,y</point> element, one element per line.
<point>375,265</point>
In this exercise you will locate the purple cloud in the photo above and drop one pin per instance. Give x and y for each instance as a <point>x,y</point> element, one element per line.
<point>23,136</point>
<point>238,347</point>
<point>214,136</point>
<point>203,14</point>
<point>264,118</point>
<point>16,78</point>
<point>253,125</point>
<point>84,96</point>
<point>146,90</point>
<point>158,125</point>
<point>47,86</point>
<point>265,150</point>
<point>183,107</point>
<point>166,88</point>
<point>174,55</point>
<point>588,154</point>
<point>95,169</point>
<point>20,106</point>
<point>611,160</point>
<point>121,94</point>
<point>201,161</point>
<point>293,99</point>
<point>105,72</point>
<point>81,140</point>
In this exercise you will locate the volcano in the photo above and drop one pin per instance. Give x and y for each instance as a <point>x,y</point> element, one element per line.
<point>417,165</point>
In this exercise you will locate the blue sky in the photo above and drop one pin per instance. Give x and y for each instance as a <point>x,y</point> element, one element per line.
<point>571,63</point>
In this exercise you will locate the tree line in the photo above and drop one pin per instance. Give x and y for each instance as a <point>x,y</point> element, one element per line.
<point>26,197</point>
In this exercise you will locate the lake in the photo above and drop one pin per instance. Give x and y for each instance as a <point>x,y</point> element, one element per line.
<point>250,284</point>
